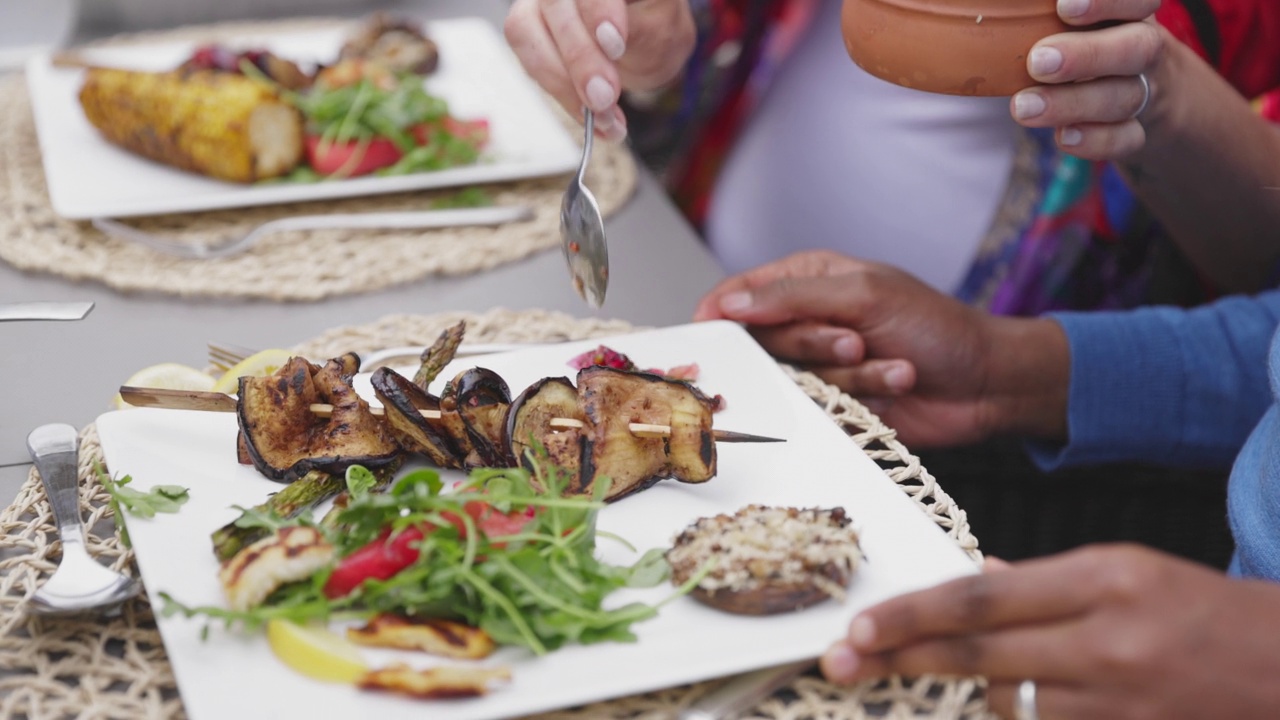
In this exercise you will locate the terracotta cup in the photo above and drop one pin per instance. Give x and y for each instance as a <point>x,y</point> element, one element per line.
<point>957,47</point>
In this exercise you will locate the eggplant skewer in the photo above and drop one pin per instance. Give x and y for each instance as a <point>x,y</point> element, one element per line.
<point>221,402</point>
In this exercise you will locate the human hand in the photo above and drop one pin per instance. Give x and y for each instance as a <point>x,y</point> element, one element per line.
<point>1105,632</point>
<point>1094,79</point>
<point>917,357</point>
<point>584,52</point>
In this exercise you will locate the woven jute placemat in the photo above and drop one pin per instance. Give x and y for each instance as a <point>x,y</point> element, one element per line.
<point>117,669</point>
<point>288,266</point>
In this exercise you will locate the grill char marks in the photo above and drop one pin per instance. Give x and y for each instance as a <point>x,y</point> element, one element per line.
<point>284,440</point>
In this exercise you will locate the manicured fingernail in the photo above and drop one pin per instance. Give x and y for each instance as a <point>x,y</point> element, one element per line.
<point>847,349</point>
<point>897,378</point>
<point>1071,137</point>
<point>600,94</point>
<point>1045,61</point>
<point>735,302</point>
<point>613,133</point>
<point>619,130</point>
<point>839,663</point>
<point>1027,105</point>
<point>1068,9</point>
<point>611,40</point>
<point>862,631</point>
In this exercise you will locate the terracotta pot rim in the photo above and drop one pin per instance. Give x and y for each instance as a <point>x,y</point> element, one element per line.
<point>932,7</point>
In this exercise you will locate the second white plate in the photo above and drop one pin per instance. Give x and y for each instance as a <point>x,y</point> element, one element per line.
<point>478,76</point>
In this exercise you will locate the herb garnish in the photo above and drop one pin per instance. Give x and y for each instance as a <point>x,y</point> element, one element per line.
<point>159,499</point>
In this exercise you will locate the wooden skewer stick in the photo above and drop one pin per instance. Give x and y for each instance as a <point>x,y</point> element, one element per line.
<point>221,402</point>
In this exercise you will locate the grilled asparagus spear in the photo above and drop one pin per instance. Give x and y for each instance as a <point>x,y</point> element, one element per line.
<point>298,496</point>
<point>219,124</point>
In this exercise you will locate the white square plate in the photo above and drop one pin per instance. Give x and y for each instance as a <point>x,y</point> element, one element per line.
<point>478,76</point>
<point>234,676</point>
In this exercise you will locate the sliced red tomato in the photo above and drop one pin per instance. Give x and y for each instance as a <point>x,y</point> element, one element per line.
<point>379,560</point>
<point>351,158</point>
<point>491,522</point>
<point>473,132</point>
<point>387,555</point>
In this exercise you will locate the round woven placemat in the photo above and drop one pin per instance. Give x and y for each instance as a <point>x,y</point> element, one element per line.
<point>116,668</point>
<point>297,265</point>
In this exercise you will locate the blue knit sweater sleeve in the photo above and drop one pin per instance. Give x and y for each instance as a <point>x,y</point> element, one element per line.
<point>1165,385</point>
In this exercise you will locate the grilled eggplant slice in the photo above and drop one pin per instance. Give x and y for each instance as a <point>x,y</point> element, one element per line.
<point>402,400</point>
<point>483,399</point>
<point>472,410</point>
<point>529,424</point>
<point>285,440</point>
<point>768,559</point>
<point>612,399</point>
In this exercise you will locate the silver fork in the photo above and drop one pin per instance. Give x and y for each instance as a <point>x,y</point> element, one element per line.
<point>449,217</point>
<point>224,356</point>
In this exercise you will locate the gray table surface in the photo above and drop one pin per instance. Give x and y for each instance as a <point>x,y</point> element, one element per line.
<point>68,371</point>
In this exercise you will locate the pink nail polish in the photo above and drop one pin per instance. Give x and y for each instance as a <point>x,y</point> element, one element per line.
<point>735,302</point>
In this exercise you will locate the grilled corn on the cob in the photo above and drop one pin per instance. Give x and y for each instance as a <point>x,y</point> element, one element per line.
<point>219,124</point>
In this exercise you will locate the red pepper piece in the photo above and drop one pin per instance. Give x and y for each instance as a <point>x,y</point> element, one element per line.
<point>379,560</point>
<point>387,555</point>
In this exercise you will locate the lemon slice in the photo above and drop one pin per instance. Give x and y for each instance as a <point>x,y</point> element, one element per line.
<point>315,652</point>
<point>166,376</point>
<point>263,362</point>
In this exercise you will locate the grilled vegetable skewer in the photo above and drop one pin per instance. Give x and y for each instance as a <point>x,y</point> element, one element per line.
<point>221,402</point>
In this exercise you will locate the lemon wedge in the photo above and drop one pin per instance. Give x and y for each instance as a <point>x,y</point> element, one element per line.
<point>263,362</point>
<point>315,652</point>
<point>166,376</point>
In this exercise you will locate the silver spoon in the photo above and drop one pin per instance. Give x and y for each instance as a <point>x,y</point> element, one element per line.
<point>582,232</point>
<point>79,584</point>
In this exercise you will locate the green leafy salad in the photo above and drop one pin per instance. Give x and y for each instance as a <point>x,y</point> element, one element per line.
<point>502,551</point>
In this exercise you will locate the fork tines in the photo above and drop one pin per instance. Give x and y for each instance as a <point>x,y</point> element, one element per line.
<point>226,355</point>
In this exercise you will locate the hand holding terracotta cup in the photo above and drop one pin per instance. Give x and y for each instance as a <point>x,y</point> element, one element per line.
<point>1069,64</point>
<point>1098,81</point>
<point>956,47</point>
<point>585,52</point>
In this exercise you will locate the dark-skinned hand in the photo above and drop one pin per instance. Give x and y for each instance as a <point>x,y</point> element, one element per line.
<point>1105,632</point>
<point>918,357</point>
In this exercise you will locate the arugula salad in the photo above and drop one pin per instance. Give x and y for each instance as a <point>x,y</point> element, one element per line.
<point>501,551</point>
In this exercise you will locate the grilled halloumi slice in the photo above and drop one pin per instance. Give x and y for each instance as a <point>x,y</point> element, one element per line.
<point>430,635</point>
<point>294,553</point>
<point>434,683</point>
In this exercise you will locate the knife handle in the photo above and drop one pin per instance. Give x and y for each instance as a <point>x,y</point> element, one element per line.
<point>44,310</point>
<point>743,692</point>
